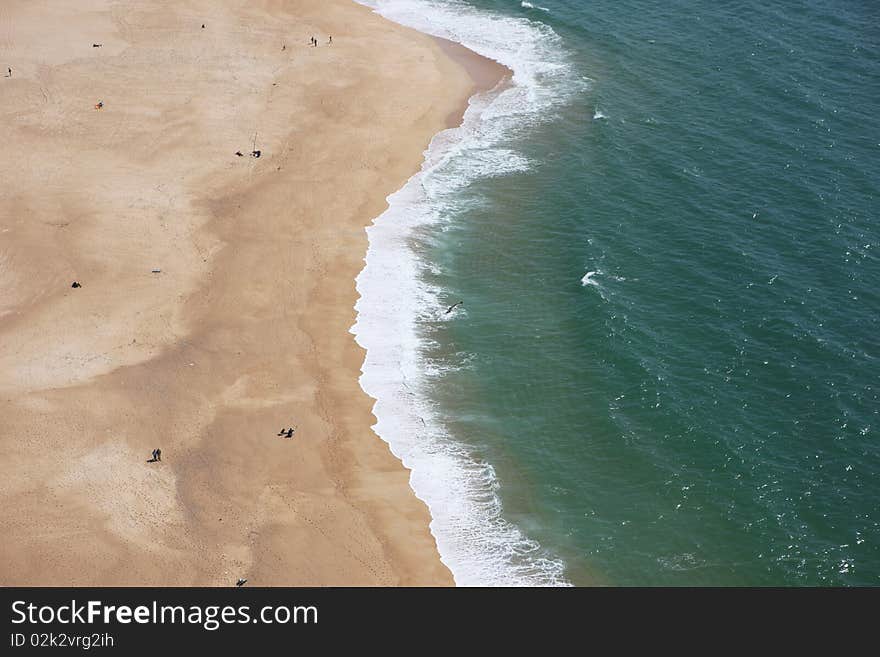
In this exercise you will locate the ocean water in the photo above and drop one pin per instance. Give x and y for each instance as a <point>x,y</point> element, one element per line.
<point>664,234</point>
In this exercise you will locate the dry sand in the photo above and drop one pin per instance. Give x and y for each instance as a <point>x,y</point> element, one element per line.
<point>245,330</point>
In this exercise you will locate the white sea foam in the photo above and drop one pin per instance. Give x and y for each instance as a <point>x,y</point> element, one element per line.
<point>597,115</point>
<point>529,5</point>
<point>475,541</point>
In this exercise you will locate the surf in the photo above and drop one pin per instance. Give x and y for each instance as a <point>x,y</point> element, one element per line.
<point>396,303</point>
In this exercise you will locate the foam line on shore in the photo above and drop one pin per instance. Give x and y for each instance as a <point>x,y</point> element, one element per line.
<point>474,539</point>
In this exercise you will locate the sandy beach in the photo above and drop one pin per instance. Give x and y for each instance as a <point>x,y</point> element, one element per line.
<point>217,290</point>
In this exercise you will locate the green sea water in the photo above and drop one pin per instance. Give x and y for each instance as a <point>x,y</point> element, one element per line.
<point>668,348</point>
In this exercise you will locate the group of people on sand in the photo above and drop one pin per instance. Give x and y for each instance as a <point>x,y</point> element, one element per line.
<point>285,432</point>
<point>313,41</point>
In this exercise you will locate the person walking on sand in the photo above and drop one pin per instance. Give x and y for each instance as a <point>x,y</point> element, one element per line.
<point>10,72</point>
<point>158,454</point>
<point>330,40</point>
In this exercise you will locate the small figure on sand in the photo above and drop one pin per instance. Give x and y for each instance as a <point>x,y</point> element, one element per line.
<point>203,26</point>
<point>157,455</point>
<point>256,153</point>
<point>283,47</point>
<point>239,153</point>
<point>241,582</point>
<point>97,45</point>
<point>100,105</point>
<point>290,432</point>
<point>9,75</point>
<point>453,307</point>
<point>75,284</point>
<point>330,40</point>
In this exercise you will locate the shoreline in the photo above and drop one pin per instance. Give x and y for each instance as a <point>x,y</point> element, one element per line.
<point>403,325</point>
<point>243,330</point>
<point>488,76</point>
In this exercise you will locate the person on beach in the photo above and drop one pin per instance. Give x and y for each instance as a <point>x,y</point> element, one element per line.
<point>158,454</point>
<point>10,72</point>
<point>290,432</point>
<point>330,40</point>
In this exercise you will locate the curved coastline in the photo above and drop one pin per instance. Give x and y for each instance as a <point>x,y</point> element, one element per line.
<point>475,541</point>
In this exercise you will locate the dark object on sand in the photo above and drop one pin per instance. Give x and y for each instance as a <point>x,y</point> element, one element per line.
<point>157,455</point>
<point>239,153</point>
<point>203,26</point>
<point>241,582</point>
<point>256,153</point>
<point>453,306</point>
<point>75,284</point>
<point>100,105</point>
<point>97,45</point>
<point>282,432</point>
<point>290,433</point>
